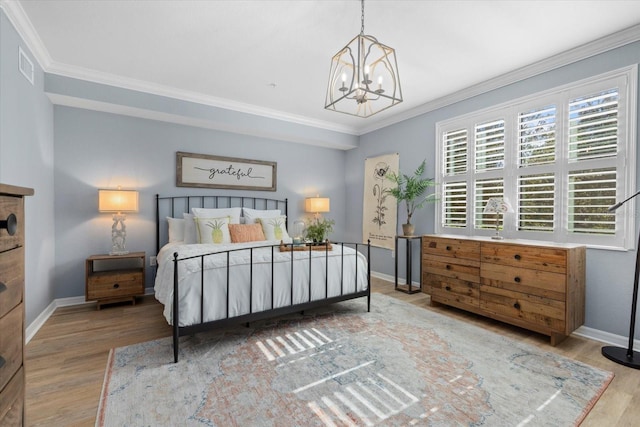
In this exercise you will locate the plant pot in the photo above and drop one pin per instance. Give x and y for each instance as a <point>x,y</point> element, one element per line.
<point>408,229</point>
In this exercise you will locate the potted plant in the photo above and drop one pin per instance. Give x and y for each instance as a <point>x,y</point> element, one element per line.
<point>318,230</point>
<point>411,189</point>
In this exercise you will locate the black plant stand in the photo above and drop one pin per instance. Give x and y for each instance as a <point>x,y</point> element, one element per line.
<point>627,357</point>
<point>409,281</point>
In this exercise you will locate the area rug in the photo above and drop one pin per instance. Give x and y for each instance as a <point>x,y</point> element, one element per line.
<point>399,365</point>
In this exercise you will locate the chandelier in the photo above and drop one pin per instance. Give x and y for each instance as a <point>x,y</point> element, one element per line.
<point>363,79</point>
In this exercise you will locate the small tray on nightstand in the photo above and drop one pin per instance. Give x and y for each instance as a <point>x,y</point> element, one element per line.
<point>305,247</point>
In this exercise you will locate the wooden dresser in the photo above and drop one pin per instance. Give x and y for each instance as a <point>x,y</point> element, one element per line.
<point>535,285</point>
<point>12,386</point>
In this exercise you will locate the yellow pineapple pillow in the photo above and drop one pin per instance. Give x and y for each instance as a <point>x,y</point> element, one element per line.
<point>275,228</point>
<point>212,230</point>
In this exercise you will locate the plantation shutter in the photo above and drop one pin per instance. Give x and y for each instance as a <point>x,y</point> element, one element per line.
<point>489,145</point>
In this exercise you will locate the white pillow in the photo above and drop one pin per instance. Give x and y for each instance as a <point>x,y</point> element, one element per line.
<point>176,229</point>
<point>233,213</point>
<point>213,230</point>
<point>189,229</point>
<point>274,228</point>
<point>251,215</point>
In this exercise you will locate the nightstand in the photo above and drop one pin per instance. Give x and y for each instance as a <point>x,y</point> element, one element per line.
<point>114,278</point>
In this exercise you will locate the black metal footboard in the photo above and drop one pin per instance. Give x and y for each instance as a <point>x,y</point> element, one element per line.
<point>252,316</point>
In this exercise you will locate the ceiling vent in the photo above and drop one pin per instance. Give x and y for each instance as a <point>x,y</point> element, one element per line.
<point>25,65</point>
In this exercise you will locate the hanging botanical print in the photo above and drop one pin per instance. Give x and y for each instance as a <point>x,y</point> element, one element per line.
<point>380,209</point>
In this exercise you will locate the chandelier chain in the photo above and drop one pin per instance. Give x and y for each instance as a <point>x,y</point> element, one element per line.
<point>362,18</point>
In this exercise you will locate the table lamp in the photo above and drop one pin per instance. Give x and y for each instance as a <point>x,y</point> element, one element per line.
<point>497,206</point>
<point>317,205</point>
<point>118,202</point>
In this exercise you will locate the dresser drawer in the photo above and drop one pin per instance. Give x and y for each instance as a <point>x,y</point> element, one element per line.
<point>11,341</point>
<point>106,284</point>
<point>534,282</point>
<point>11,279</point>
<point>450,291</point>
<point>452,267</point>
<point>533,257</point>
<point>534,310</point>
<point>11,205</point>
<point>451,248</point>
<point>12,401</point>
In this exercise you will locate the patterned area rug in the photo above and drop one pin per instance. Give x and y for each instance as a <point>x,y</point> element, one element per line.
<point>399,365</point>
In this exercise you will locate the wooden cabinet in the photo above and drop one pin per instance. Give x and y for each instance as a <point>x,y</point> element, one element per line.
<point>12,384</point>
<point>535,285</point>
<point>114,278</point>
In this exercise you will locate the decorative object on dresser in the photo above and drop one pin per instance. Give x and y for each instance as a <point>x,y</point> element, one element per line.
<point>12,383</point>
<point>498,206</point>
<point>627,357</point>
<point>535,285</point>
<point>364,78</point>
<point>114,278</point>
<point>118,202</point>
<point>410,189</point>
<point>409,265</point>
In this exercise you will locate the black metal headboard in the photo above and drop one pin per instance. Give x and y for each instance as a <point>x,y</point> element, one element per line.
<point>172,205</point>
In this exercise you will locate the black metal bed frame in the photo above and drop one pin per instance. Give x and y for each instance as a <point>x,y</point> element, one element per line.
<point>265,203</point>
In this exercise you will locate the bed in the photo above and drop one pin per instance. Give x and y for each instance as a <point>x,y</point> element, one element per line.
<point>232,271</point>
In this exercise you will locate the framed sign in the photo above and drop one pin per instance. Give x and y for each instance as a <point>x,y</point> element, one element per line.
<point>202,170</point>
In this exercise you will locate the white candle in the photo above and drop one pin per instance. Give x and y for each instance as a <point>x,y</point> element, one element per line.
<point>379,82</point>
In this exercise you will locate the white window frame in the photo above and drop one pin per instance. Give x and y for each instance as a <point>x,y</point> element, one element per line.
<point>624,238</point>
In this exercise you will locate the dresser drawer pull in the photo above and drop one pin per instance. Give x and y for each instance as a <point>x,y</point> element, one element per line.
<point>11,224</point>
<point>448,267</point>
<point>448,288</point>
<point>516,306</point>
<point>116,286</point>
<point>2,361</point>
<point>3,287</point>
<point>516,279</point>
<point>448,248</point>
<point>517,257</point>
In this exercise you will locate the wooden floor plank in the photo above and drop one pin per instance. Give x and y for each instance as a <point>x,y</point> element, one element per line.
<point>66,360</point>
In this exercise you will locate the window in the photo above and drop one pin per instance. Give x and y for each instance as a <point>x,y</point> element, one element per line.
<point>561,158</point>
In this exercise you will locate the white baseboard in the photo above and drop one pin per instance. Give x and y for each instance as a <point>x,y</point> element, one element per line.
<point>37,323</point>
<point>582,331</point>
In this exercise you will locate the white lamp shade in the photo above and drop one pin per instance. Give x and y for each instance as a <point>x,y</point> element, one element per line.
<point>117,201</point>
<point>317,204</point>
<point>498,205</point>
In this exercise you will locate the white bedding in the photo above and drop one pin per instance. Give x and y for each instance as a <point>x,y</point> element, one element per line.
<point>215,278</point>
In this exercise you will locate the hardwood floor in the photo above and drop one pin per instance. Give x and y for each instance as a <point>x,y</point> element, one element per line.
<point>66,360</point>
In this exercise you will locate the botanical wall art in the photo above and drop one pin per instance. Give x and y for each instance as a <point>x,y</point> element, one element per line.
<point>379,211</point>
<point>205,171</point>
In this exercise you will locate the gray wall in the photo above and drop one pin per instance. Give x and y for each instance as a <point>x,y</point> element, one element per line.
<point>101,150</point>
<point>609,273</point>
<point>26,159</point>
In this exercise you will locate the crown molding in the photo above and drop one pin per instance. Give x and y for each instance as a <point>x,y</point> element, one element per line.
<point>21,22</point>
<point>604,44</point>
<point>23,25</point>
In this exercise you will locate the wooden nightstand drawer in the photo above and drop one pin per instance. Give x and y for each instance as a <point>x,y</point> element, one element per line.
<point>108,284</point>
<point>12,401</point>
<point>11,279</point>
<point>11,341</point>
<point>8,206</point>
<point>115,278</point>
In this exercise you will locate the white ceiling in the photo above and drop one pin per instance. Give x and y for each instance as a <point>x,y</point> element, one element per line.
<point>273,57</point>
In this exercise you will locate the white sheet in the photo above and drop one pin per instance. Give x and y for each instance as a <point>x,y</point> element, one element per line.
<point>215,278</point>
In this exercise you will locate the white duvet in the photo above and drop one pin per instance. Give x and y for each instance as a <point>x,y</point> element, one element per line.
<point>215,278</point>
